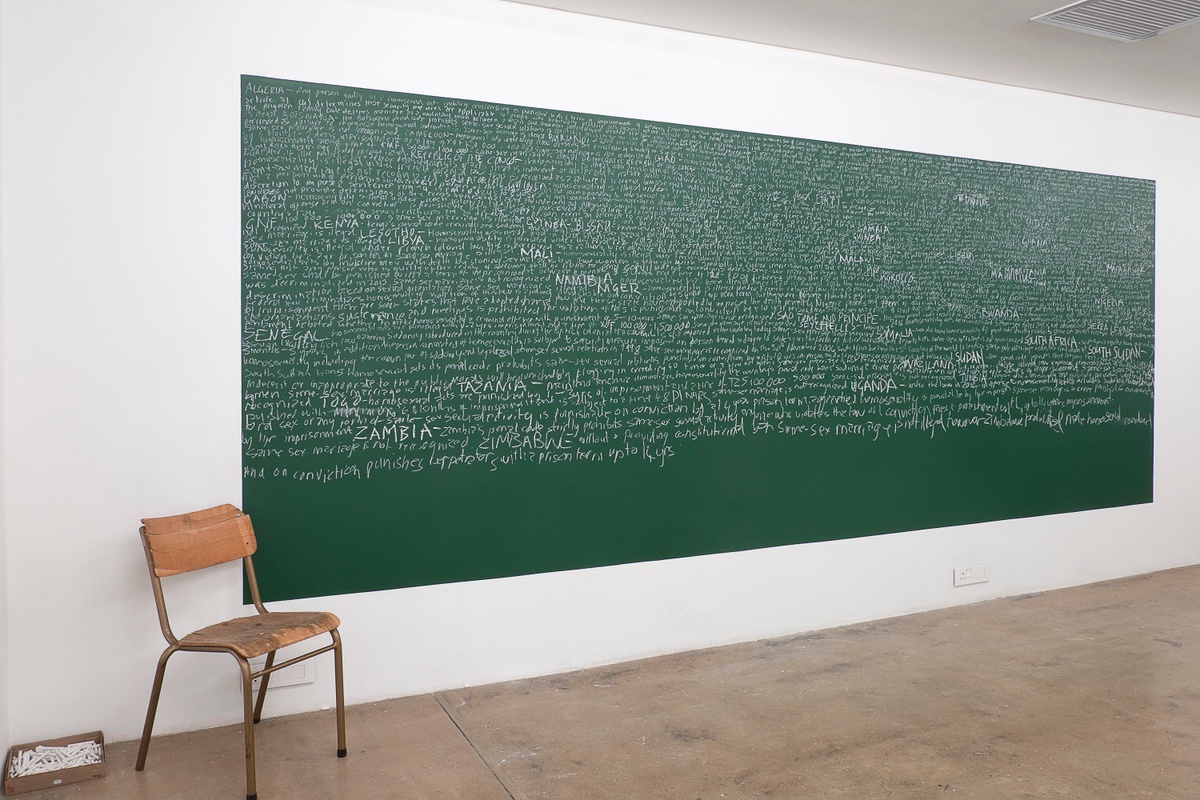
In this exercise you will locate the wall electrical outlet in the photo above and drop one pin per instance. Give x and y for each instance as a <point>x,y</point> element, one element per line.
<point>977,573</point>
<point>296,674</point>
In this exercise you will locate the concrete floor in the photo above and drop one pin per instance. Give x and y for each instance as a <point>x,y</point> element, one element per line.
<point>1091,692</point>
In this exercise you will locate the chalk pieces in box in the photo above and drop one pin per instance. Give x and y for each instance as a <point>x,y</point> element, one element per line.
<point>58,777</point>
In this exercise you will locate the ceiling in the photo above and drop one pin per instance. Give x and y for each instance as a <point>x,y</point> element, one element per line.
<point>985,40</point>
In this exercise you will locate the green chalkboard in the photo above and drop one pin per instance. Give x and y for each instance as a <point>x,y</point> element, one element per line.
<point>483,340</point>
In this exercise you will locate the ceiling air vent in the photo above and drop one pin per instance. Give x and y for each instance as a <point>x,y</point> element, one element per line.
<point>1127,20</point>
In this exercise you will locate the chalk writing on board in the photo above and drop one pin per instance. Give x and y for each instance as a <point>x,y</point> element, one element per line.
<point>489,340</point>
<point>440,285</point>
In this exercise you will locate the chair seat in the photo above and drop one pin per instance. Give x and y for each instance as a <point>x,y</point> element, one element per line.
<point>262,633</point>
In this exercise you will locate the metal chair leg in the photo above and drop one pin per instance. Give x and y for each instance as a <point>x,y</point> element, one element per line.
<point>252,707</point>
<point>262,688</point>
<point>152,709</point>
<point>340,694</point>
<point>248,727</point>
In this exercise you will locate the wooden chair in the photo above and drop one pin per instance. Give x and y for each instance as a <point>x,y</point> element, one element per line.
<point>189,542</point>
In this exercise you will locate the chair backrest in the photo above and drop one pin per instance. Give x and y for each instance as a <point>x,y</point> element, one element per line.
<point>200,539</point>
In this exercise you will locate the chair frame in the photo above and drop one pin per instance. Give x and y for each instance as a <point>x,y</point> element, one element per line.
<point>252,708</point>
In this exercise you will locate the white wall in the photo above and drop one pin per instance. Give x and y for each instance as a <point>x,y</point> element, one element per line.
<point>5,583</point>
<point>122,392</point>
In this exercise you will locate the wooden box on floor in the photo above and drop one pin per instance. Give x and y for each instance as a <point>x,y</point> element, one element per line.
<point>61,777</point>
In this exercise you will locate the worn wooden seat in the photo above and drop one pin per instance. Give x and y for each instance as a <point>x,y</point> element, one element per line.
<point>250,637</point>
<point>201,539</point>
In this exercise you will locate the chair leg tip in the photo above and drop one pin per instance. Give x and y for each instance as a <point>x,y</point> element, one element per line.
<point>342,753</point>
<point>252,796</point>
